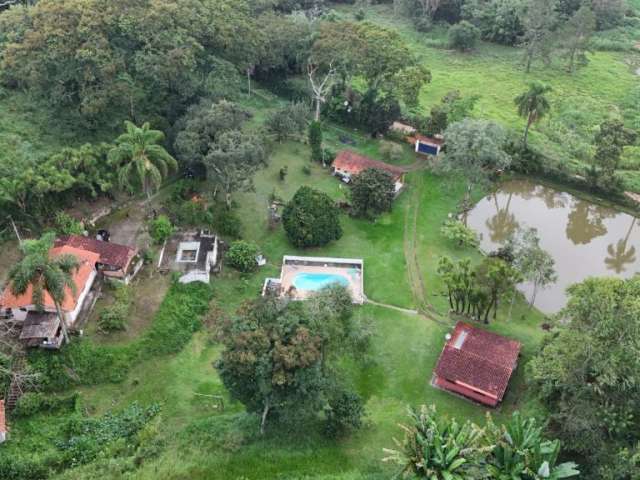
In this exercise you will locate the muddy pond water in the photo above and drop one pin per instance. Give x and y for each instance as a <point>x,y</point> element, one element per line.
<point>585,239</point>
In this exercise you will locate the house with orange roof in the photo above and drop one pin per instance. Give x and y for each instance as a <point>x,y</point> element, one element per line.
<point>42,327</point>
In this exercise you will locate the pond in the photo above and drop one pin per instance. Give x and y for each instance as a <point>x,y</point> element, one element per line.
<point>585,239</point>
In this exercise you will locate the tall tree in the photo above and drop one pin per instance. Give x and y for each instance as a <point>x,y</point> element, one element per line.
<point>44,274</point>
<point>576,35</point>
<point>232,162</point>
<point>372,192</point>
<point>276,354</point>
<point>539,19</point>
<point>588,373</point>
<point>138,155</point>
<point>533,105</point>
<point>475,149</point>
<point>311,218</point>
<point>610,141</point>
<point>534,263</point>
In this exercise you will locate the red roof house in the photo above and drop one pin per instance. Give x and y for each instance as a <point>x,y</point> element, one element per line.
<point>3,423</point>
<point>349,163</point>
<point>476,364</point>
<point>116,261</point>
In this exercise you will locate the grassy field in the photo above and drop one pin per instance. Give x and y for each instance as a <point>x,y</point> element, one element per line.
<point>198,441</point>
<point>607,86</point>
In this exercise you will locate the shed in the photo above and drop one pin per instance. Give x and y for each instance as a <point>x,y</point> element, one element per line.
<point>42,329</point>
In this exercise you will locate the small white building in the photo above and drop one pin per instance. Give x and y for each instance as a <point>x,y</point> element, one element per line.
<point>193,254</point>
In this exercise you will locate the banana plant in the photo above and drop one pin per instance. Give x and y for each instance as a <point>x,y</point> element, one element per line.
<point>437,448</point>
<point>520,452</point>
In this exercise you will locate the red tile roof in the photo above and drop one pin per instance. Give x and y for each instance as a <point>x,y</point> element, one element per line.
<point>112,254</point>
<point>478,360</point>
<point>80,277</point>
<point>354,163</point>
<point>3,422</point>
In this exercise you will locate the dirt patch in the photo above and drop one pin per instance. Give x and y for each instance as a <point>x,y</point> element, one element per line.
<point>149,289</point>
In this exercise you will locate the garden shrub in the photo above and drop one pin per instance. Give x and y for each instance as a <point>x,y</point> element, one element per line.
<point>33,402</point>
<point>114,317</point>
<point>344,414</point>
<point>87,437</point>
<point>463,36</point>
<point>160,229</point>
<point>242,256</point>
<point>226,222</point>
<point>67,225</point>
<point>460,234</point>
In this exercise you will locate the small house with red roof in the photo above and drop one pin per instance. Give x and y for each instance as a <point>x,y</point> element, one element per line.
<point>42,327</point>
<point>118,262</point>
<point>348,163</point>
<point>476,364</point>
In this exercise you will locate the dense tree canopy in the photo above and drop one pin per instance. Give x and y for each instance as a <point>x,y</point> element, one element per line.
<point>278,355</point>
<point>588,373</point>
<point>311,218</point>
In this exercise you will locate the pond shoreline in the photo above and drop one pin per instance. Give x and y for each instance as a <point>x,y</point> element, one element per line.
<point>622,203</point>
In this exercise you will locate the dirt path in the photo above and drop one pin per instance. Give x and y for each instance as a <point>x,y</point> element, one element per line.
<point>414,273</point>
<point>392,307</point>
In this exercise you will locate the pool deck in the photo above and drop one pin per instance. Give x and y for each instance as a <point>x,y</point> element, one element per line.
<point>352,270</point>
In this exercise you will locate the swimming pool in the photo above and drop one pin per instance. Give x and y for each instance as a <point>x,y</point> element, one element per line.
<point>318,281</point>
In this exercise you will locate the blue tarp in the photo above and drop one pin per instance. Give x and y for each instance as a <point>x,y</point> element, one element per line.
<point>427,149</point>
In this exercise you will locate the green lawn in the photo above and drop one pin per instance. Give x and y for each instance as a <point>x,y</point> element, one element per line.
<point>198,441</point>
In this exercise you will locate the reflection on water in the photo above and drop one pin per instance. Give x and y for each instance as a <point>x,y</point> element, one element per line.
<point>584,239</point>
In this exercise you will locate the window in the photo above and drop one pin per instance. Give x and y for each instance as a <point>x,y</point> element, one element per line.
<point>188,255</point>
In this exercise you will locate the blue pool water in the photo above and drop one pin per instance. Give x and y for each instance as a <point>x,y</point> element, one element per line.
<point>318,281</point>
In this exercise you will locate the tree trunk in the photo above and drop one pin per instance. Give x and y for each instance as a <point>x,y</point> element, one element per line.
<point>513,299</point>
<point>249,81</point>
<point>317,114</point>
<point>526,131</point>
<point>265,412</point>
<point>63,322</point>
<point>535,293</point>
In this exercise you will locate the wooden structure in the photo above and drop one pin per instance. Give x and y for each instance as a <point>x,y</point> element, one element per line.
<point>476,364</point>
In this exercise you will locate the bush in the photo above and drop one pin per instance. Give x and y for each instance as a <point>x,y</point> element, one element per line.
<point>242,256</point>
<point>391,151</point>
<point>344,414</point>
<point>160,229</point>
<point>67,225</point>
<point>311,218</point>
<point>31,403</point>
<point>226,222</point>
<point>463,36</point>
<point>457,232</point>
<point>114,317</point>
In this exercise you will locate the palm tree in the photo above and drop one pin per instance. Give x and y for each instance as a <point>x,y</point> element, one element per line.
<point>533,105</point>
<point>138,155</point>
<point>44,274</point>
<point>619,255</point>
